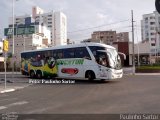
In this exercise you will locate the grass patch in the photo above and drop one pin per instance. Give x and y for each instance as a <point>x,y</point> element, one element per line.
<point>150,67</point>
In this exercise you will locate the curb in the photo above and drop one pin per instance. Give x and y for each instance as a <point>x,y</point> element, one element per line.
<point>13,89</point>
<point>7,90</point>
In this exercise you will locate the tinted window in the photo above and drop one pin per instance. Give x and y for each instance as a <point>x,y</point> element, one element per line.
<point>95,49</point>
<point>30,54</point>
<point>101,57</point>
<point>54,53</point>
<point>23,55</point>
<point>82,52</point>
<point>69,53</point>
<point>59,54</point>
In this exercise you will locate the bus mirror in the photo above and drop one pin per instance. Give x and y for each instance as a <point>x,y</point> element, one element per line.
<point>124,56</point>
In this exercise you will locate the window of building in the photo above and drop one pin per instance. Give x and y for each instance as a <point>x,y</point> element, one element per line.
<point>152,23</point>
<point>49,26</point>
<point>49,22</point>
<point>49,15</point>
<point>153,44</point>
<point>152,39</point>
<point>146,19</point>
<point>49,18</point>
<point>152,33</point>
<point>152,17</point>
<point>146,26</point>
<point>147,34</point>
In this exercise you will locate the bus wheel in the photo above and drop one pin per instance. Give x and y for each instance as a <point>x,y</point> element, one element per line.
<point>39,74</point>
<point>32,74</point>
<point>90,75</point>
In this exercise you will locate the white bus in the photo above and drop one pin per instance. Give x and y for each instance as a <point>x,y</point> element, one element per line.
<point>77,61</point>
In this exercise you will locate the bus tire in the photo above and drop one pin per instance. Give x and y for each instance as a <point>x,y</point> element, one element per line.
<point>39,74</point>
<point>32,74</point>
<point>90,75</point>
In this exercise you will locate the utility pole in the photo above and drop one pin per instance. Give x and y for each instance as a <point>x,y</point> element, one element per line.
<point>13,38</point>
<point>133,54</point>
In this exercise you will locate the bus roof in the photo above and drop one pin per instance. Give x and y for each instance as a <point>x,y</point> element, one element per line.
<point>72,46</point>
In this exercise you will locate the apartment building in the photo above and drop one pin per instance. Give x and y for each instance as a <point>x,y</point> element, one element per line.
<point>123,37</point>
<point>55,21</point>
<point>27,36</point>
<point>106,37</point>
<point>150,25</point>
<point>109,37</point>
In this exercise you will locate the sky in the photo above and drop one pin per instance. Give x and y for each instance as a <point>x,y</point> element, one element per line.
<point>85,16</point>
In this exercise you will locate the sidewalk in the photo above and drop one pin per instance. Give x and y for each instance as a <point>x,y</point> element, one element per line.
<point>147,73</point>
<point>12,87</point>
<point>16,73</point>
<point>129,71</point>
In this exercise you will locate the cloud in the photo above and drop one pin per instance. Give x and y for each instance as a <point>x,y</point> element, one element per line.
<point>82,14</point>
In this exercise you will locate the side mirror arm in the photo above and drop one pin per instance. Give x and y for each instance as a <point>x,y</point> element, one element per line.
<point>124,56</point>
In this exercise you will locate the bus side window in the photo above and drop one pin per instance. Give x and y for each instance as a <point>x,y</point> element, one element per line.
<point>54,52</point>
<point>59,54</point>
<point>69,53</point>
<point>82,52</point>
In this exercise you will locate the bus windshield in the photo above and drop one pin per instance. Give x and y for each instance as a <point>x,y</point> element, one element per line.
<point>106,56</point>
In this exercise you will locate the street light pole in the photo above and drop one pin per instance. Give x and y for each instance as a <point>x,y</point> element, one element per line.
<point>24,43</point>
<point>133,56</point>
<point>13,23</point>
<point>13,35</point>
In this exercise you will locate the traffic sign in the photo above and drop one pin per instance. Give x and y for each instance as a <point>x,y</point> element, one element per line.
<point>19,30</point>
<point>5,45</point>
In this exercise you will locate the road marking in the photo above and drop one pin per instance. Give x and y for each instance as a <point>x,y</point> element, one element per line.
<point>17,103</point>
<point>2,107</point>
<point>8,99</point>
<point>7,90</point>
<point>13,104</point>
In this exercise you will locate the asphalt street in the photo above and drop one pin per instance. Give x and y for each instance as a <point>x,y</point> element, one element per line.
<point>131,94</point>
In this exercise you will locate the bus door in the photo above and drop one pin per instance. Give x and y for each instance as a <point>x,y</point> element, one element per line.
<point>102,59</point>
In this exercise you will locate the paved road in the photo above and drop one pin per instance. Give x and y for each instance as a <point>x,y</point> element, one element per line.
<point>131,94</point>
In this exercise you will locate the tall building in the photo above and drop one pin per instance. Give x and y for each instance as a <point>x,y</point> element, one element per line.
<point>36,10</point>
<point>123,37</point>
<point>56,22</point>
<point>109,37</point>
<point>28,35</point>
<point>150,25</point>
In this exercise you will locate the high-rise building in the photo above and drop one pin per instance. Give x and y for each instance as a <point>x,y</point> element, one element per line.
<point>123,37</point>
<point>150,25</point>
<point>109,37</point>
<point>56,22</point>
<point>36,10</point>
<point>28,35</point>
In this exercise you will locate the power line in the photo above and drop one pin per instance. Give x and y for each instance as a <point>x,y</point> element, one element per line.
<point>98,26</point>
<point>119,28</point>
